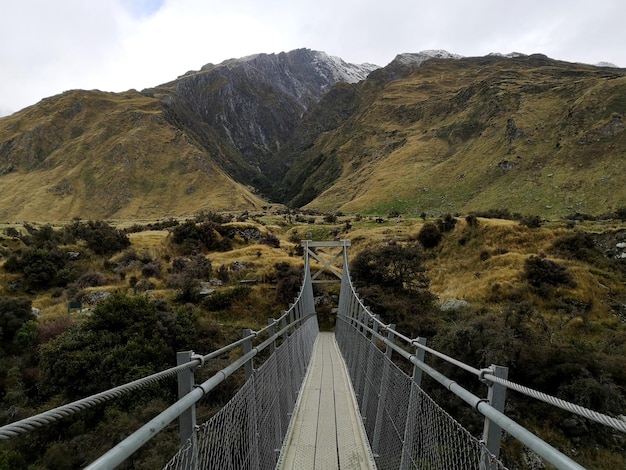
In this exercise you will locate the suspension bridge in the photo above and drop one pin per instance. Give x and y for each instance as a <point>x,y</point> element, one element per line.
<point>341,400</point>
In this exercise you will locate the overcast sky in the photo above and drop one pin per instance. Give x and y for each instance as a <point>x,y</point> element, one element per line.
<point>47,47</point>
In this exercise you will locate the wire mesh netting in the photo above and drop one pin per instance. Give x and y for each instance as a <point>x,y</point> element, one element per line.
<point>247,433</point>
<point>405,427</point>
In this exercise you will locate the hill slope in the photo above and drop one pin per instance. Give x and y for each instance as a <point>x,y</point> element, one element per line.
<point>105,155</point>
<point>202,141</point>
<point>530,134</point>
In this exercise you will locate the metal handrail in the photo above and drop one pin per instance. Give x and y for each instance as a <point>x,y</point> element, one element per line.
<point>135,441</point>
<point>543,449</point>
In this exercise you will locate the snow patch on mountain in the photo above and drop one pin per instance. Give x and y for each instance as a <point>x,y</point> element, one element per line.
<point>607,64</point>
<point>337,70</point>
<point>416,59</point>
<point>510,55</point>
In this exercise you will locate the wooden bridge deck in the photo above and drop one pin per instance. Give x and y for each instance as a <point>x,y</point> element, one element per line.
<point>326,431</point>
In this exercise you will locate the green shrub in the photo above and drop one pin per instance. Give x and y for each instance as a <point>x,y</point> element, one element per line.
<point>42,268</point>
<point>392,265</point>
<point>541,272</point>
<point>472,221</point>
<point>446,223</point>
<point>206,235</point>
<point>429,235</point>
<point>101,238</point>
<point>288,280</point>
<point>330,218</point>
<point>124,338</point>
<point>531,221</point>
<point>14,312</point>
<point>223,300</point>
<point>578,245</point>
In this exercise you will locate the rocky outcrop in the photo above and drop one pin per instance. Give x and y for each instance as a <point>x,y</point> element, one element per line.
<point>254,104</point>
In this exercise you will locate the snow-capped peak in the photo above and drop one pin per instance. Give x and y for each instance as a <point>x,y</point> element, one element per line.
<point>416,59</point>
<point>510,55</point>
<point>607,64</point>
<point>341,70</point>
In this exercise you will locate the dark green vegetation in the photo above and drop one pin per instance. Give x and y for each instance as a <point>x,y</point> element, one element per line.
<point>546,326</point>
<point>548,302</point>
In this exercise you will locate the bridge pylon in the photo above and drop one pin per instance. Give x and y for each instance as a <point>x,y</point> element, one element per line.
<point>327,265</point>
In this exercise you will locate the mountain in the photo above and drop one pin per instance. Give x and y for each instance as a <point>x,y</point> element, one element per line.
<point>252,105</point>
<point>430,132</point>
<point>201,141</point>
<point>451,134</point>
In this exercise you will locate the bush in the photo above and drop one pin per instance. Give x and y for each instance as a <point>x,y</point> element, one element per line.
<point>41,268</point>
<point>11,232</point>
<point>100,237</point>
<point>288,280</point>
<point>270,240</point>
<point>208,235</point>
<point>541,272</point>
<point>579,246</point>
<point>225,299</point>
<point>125,338</point>
<point>472,221</point>
<point>330,218</point>
<point>500,213</point>
<point>429,235</point>
<point>446,223</point>
<point>14,312</point>
<point>392,266</point>
<point>152,269</point>
<point>531,221</point>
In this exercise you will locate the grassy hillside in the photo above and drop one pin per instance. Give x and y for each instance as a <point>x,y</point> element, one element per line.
<point>530,134</point>
<point>104,155</point>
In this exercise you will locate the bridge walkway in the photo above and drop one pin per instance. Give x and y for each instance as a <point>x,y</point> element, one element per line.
<point>326,431</point>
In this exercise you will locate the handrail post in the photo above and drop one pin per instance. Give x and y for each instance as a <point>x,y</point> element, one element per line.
<point>247,347</point>
<point>492,433</point>
<point>409,427</point>
<point>383,392</point>
<point>187,419</point>
<point>291,319</point>
<point>361,334</point>
<point>271,331</point>
<point>283,324</point>
<point>370,364</point>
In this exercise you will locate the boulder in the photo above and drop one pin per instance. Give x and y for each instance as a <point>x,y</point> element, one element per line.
<point>454,304</point>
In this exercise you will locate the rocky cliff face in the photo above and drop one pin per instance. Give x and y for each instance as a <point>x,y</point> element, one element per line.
<point>254,104</point>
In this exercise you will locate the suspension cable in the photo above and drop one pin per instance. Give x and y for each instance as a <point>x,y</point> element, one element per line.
<point>28,424</point>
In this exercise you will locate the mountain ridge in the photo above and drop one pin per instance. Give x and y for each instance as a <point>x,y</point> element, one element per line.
<point>308,129</point>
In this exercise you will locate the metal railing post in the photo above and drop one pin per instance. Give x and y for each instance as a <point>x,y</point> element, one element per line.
<point>247,347</point>
<point>382,396</point>
<point>271,331</point>
<point>492,433</point>
<point>283,324</point>
<point>369,372</point>
<point>187,419</point>
<point>291,319</point>
<point>409,428</point>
